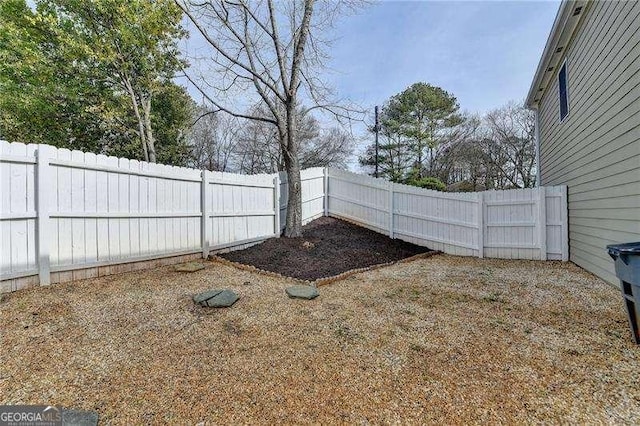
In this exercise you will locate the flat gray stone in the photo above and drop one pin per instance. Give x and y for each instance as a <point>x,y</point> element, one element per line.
<point>79,418</point>
<point>302,292</point>
<point>224,299</point>
<point>189,267</point>
<point>203,297</point>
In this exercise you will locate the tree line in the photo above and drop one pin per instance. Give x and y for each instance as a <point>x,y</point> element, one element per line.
<point>426,141</point>
<point>96,76</point>
<point>228,144</point>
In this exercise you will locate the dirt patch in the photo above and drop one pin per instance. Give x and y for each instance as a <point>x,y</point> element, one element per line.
<point>329,247</point>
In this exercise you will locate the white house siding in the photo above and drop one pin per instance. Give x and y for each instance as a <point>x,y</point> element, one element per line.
<point>596,150</point>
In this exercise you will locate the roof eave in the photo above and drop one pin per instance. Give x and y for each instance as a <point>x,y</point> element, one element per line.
<point>564,26</point>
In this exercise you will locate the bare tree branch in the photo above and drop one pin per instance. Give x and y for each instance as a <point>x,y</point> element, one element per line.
<point>267,51</point>
<point>227,110</point>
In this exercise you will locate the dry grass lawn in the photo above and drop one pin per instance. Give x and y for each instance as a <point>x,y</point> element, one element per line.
<point>437,340</point>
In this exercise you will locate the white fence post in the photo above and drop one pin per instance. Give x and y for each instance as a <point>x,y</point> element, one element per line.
<point>564,206</point>
<point>276,205</point>
<point>542,221</point>
<point>481,225</point>
<point>43,224</point>
<point>205,214</point>
<point>390,209</point>
<point>326,190</point>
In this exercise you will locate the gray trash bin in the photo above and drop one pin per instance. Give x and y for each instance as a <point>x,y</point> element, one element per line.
<point>627,258</point>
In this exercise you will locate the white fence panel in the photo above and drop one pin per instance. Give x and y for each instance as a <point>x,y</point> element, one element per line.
<point>444,222</point>
<point>360,199</point>
<point>557,230</point>
<point>92,211</point>
<point>512,224</point>
<point>241,209</point>
<point>17,210</point>
<point>105,210</point>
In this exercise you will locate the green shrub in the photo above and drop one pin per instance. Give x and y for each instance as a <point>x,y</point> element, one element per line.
<point>462,186</point>
<point>427,183</point>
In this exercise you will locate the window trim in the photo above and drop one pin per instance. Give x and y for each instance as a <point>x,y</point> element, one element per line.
<point>566,82</point>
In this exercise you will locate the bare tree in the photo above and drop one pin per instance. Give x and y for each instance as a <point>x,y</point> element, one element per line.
<point>273,51</point>
<point>213,139</point>
<point>496,151</point>
<point>223,143</point>
<point>461,157</point>
<point>511,144</point>
<point>258,148</point>
<point>331,147</point>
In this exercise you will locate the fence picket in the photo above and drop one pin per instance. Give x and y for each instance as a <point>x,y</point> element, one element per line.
<point>204,210</point>
<point>481,225</point>
<point>542,221</point>
<point>44,180</point>
<point>276,205</point>
<point>390,207</point>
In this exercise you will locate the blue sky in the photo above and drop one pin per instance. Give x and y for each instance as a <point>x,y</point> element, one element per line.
<point>485,53</point>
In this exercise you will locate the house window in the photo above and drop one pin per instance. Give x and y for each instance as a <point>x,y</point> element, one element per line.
<point>563,92</point>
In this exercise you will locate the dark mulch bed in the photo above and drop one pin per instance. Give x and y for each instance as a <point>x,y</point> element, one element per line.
<point>335,247</point>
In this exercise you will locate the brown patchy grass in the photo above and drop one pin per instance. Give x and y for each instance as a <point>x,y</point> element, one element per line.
<point>437,340</point>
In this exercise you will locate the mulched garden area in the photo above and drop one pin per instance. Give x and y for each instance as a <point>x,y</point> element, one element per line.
<point>328,247</point>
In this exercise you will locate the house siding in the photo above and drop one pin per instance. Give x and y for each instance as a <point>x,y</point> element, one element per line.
<point>595,151</point>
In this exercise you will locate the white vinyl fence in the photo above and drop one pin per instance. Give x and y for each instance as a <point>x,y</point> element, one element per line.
<point>512,224</point>
<point>64,211</point>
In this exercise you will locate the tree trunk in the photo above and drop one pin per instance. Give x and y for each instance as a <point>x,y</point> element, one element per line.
<point>151,143</point>
<point>136,111</point>
<point>294,204</point>
<point>292,166</point>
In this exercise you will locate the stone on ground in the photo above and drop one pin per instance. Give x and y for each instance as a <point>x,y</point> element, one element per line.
<point>216,298</point>
<point>302,292</point>
<point>203,297</point>
<point>224,299</point>
<point>189,267</point>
